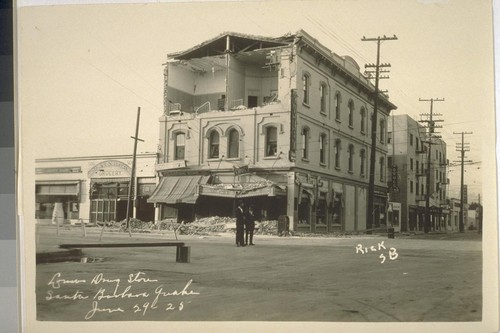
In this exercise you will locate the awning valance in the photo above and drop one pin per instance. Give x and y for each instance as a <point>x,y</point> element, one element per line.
<point>110,180</point>
<point>178,189</point>
<point>71,188</point>
<point>239,191</point>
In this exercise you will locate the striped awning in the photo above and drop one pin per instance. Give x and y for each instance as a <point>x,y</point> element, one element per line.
<point>178,189</point>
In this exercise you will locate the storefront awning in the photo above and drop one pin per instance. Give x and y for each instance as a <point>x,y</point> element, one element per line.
<point>71,188</point>
<point>178,189</point>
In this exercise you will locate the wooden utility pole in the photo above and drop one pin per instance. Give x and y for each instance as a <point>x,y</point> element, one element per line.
<point>132,174</point>
<point>462,148</point>
<point>431,126</point>
<point>373,150</point>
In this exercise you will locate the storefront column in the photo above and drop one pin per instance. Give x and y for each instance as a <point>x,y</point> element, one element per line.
<point>291,195</point>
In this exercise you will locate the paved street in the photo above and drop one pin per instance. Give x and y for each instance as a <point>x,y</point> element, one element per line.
<point>351,279</point>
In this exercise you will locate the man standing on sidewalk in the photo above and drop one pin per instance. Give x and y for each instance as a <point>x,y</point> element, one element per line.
<point>240,224</point>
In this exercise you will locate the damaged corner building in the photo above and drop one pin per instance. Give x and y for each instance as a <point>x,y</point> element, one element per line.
<point>279,123</point>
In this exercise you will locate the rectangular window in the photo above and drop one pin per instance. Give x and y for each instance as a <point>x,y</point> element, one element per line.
<point>382,169</point>
<point>305,88</point>
<point>305,144</point>
<point>411,186</point>
<point>362,162</point>
<point>350,157</point>
<point>322,149</point>
<point>271,141</point>
<point>382,131</point>
<point>337,154</point>
<point>180,142</point>
<point>322,92</point>
<point>411,139</point>
<point>411,164</point>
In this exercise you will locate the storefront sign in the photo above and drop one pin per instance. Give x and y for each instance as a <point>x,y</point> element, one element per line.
<point>171,165</point>
<point>217,192</point>
<point>59,170</point>
<point>109,169</point>
<point>240,170</point>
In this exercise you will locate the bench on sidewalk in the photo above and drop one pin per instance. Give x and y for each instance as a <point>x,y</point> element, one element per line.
<point>182,252</point>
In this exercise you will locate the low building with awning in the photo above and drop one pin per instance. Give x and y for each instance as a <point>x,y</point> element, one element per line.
<point>94,188</point>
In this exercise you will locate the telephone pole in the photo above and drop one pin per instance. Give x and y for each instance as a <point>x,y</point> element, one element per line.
<point>132,173</point>
<point>431,126</point>
<point>371,185</point>
<point>462,148</point>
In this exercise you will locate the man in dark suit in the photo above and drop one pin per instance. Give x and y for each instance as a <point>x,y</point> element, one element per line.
<point>240,224</point>
<point>250,224</point>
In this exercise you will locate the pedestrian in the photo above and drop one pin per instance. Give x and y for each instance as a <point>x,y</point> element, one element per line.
<point>240,224</point>
<point>250,224</point>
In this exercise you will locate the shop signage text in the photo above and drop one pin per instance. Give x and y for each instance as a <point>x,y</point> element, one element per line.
<point>110,169</point>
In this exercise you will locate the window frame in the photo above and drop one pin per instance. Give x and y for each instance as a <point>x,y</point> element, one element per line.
<point>323,92</point>
<point>350,153</point>
<point>350,106</point>
<point>362,163</point>
<point>337,147</point>
<point>362,112</point>
<point>323,149</point>
<point>211,145</point>
<point>306,91</point>
<point>267,141</point>
<point>338,102</point>
<point>305,133</point>
<point>176,146</point>
<point>230,143</point>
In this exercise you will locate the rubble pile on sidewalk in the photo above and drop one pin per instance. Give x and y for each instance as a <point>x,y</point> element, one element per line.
<point>201,226</point>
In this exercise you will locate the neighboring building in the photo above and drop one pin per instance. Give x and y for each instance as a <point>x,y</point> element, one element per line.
<point>93,188</point>
<point>454,219</point>
<point>282,123</point>
<point>408,152</point>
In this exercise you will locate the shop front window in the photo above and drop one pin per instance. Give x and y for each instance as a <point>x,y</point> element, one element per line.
<point>321,210</point>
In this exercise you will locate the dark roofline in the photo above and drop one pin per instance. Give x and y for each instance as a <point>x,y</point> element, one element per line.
<point>279,41</point>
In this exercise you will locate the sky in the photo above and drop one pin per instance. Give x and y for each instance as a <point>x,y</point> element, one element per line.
<point>85,69</point>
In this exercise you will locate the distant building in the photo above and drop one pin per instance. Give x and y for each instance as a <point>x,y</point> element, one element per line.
<point>454,219</point>
<point>282,123</point>
<point>408,152</point>
<point>93,188</point>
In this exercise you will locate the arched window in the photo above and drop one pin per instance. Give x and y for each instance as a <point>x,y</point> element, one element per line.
<point>179,143</point>
<point>306,81</point>
<point>305,143</point>
<point>382,169</point>
<point>336,151</point>
<point>322,148</point>
<point>382,131</point>
<point>337,106</point>
<point>323,94</point>
<point>350,155</point>
<point>351,113</point>
<point>271,141</point>
<point>362,164</point>
<point>233,147</point>
<point>213,145</point>
<point>363,120</point>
